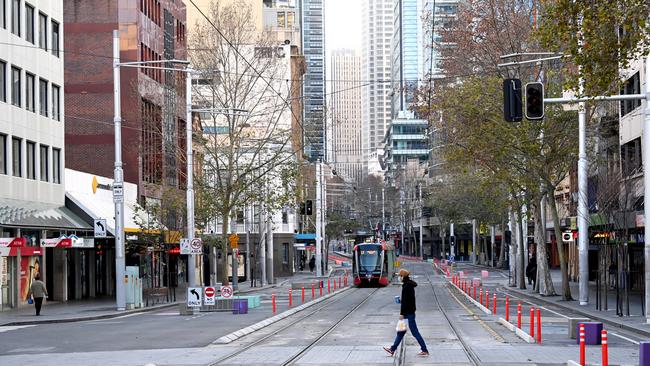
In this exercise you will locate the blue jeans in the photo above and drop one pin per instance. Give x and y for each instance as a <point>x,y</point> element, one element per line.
<point>414,330</point>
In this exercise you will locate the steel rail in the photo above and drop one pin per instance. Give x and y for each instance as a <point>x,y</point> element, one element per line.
<point>471,355</point>
<point>291,324</point>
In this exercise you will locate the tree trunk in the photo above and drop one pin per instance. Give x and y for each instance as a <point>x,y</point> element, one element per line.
<point>520,247</point>
<point>545,281</point>
<point>566,289</point>
<point>502,251</point>
<point>222,265</point>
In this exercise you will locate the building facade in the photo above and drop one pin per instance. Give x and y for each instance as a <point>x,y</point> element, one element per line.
<point>312,27</point>
<point>34,223</point>
<point>345,105</point>
<point>377,29</point>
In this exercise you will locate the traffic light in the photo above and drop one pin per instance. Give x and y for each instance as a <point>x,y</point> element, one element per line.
<point>534,101</point>
<point>308,207</point>
<point>512,104</point>
<point>302,208</point>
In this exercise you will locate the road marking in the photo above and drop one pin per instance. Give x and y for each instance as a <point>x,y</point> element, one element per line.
<point>476,317</point>
<point>623,337</point>
<point>7,328</point>
<point>127,316</point>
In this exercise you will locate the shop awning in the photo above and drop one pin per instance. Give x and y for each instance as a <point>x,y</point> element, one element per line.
<point>96,207</point>
<point>29,214</point>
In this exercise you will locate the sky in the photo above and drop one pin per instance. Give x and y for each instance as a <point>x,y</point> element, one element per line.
<point>343,24</point>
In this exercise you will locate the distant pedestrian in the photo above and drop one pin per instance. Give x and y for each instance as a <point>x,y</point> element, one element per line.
<point>407,312</point>
<point>312,263</point>
<point>531,270</point>
<point>38,291</point>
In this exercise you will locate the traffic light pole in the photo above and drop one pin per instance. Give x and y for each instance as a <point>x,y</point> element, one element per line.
<point>319,234</point>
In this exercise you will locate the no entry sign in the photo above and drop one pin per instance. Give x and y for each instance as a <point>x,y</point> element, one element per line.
<point>208,298</point>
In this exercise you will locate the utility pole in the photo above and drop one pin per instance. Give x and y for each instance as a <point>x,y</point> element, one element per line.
<point>421,218</point>
<point>452,244</point>
<point>319,234</point>
<point>646,188</point>
<point>401,220</point>
<point>247,262</point>
<point>118,179</point>
<point>383,215</point>
<point>191,271</point>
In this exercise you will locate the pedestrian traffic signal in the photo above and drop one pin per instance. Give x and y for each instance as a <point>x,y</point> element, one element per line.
<point>512,104</point>
<point>308,208</point>
<point>534,101</point>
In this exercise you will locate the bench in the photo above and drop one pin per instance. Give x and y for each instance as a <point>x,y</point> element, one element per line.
<point>156,295</point>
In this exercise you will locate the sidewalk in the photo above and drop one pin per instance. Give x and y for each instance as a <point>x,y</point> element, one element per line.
<point>636,322</point>
<point>104,308</point>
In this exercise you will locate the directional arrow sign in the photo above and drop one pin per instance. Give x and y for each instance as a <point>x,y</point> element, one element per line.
<point>194,295</point>
<point>100,228</point>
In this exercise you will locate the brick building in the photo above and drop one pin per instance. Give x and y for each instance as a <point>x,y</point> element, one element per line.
<point>153,113</point>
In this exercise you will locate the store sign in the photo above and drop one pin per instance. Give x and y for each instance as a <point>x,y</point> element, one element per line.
<point>84,243</point>
<point>62,242</point>
<point>13,242</point>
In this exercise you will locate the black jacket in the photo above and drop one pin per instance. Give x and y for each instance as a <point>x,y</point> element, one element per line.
<point>408,297</point>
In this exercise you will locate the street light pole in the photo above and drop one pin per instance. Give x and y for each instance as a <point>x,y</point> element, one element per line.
<point>583,211</point>
<point>319,234</point>
<point>118,179</point>
<point>646,188</point>
<point>191,271</point>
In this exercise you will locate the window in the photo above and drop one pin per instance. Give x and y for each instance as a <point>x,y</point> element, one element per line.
<point>240,217</point>
<point>31,160</point>
<point>16,157</point>
<point>29,23</point>
<point>56,166</point>
<point>42,99</point>
<point>29,92</point>
<point>281,20</point>
<point>56,103</point>
<point>42,31</point>
<point>44,163</point>
<point>3,154</point>
<point>285,253</point>
<point>15,17</point>
<point>3,11</point>
<point>290,19</point>
<point>55,38</point>
<point>632,86</point>
<point>285,217</point>
<point>631,162</point>
<point>15,87</point>
<point>3,81</point>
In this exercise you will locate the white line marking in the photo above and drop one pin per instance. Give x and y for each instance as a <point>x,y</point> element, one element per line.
<point>7,328</point>
<point>623,337</point>
<point>127,316</point>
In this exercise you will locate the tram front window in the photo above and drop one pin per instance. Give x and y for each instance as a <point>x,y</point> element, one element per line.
<point>370,260</point>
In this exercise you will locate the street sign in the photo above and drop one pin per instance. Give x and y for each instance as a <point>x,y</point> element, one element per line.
<point>208,296</point>
<point>226,292</point>
<point>194,295</point>
<point>100,228</point>
<point>194,246</point>
<point>118,193</point>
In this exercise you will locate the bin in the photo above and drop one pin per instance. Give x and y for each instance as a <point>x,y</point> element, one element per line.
<point>240,306</point>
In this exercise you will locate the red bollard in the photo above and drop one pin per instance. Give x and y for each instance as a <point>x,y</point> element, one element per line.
<point>481,296</point>
<point>519,315</point>
<point>603,336</point>
<point>539,326</point>
<point>582,345</point>
<point>494,304</point>
<point>303,294</point>
<point>320,289</point>
<point>339,281</point>
<point>507,309</point>
<point>532,322</point>
<point>474,292</point>
<point>290,298</point>
<point>312,291</point>
<point>487,299</point>
<point>273,303</point>
<point>328,286</point>
<point>334,285</point>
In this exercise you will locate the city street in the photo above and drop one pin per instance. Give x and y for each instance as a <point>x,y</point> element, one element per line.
<point>348,328</point>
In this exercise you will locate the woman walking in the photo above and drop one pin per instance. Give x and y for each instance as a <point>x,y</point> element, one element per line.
<point>407,312</point>
<point>38,291</point>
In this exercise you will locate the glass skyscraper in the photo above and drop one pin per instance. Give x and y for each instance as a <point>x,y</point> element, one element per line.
<point>313,48</point>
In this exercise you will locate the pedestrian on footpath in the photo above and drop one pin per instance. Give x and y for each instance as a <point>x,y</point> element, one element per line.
<point>38,291</point>
<point>312,264</point>
<point>407,311</point>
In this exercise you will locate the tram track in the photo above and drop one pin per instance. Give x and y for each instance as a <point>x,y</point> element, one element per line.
<point>305,349</point>
<point>471,355</point>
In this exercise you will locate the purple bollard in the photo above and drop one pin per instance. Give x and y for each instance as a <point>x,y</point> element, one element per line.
<point>644,354</point>
<point>592,333</point>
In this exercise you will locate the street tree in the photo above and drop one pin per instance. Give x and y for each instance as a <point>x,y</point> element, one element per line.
<point>243,91</point>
